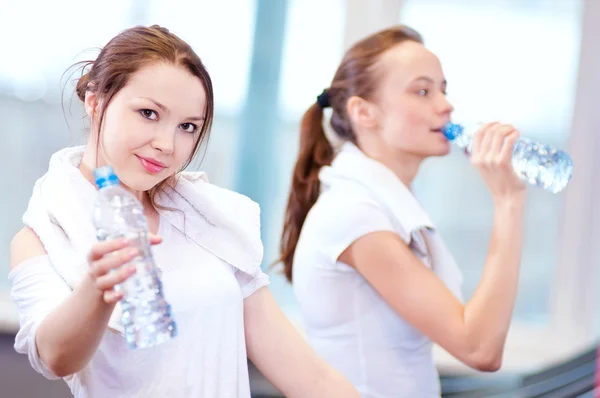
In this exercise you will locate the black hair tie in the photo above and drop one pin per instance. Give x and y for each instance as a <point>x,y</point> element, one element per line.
<point>323,99</point>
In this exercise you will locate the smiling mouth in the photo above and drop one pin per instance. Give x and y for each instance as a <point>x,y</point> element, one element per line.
<point>151,166</point>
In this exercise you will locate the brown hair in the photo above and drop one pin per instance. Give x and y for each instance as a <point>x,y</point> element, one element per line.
<point>128,52</point>
<point>356,76</point>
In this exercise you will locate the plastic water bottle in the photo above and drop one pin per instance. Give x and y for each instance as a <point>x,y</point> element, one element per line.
<point>146,315</point>
<point>538,164</point>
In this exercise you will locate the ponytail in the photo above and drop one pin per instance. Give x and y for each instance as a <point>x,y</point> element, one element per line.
<point>314,153</point>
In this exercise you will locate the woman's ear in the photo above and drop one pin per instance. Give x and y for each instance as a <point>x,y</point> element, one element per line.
<point>361,113</point>
<point>91,104</point>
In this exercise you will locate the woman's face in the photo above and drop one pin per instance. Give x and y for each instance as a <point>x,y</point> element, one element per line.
<point>151,126</point>
<point>410,104</point>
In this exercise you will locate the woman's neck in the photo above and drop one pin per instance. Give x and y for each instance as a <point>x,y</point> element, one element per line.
<point>404,165</point>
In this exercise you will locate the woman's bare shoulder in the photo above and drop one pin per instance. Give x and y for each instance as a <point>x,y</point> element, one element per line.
<point>25,245</point>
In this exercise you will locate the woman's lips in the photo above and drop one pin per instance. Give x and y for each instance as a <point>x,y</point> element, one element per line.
<point>152,166</point>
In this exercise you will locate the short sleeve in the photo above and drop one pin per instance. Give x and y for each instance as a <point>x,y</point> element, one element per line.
<point>250,284</point>
<point>36,290</point>
<point>342,225</point>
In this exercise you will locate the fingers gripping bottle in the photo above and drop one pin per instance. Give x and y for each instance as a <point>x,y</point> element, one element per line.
<point>538,164</point>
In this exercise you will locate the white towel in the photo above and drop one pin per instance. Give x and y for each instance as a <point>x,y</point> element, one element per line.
<point>351,165</point>
<point>61,207</point>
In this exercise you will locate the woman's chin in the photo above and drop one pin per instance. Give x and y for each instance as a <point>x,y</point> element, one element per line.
<point>441,149</point>
<point>141,183</point>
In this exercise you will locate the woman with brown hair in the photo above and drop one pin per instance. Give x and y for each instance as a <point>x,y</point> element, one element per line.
<point>150,103</point>
<point>375,282</point>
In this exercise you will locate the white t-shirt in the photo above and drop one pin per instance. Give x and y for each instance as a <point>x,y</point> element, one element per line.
<point>347,322</point>
<point>206,359</point>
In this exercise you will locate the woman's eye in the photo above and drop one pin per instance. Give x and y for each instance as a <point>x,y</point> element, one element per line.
<point>189,127</point>
<point>149,114</point>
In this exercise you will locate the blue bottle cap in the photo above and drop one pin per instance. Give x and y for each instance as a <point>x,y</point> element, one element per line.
<point>452,130</point>
<point>105,176</point>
